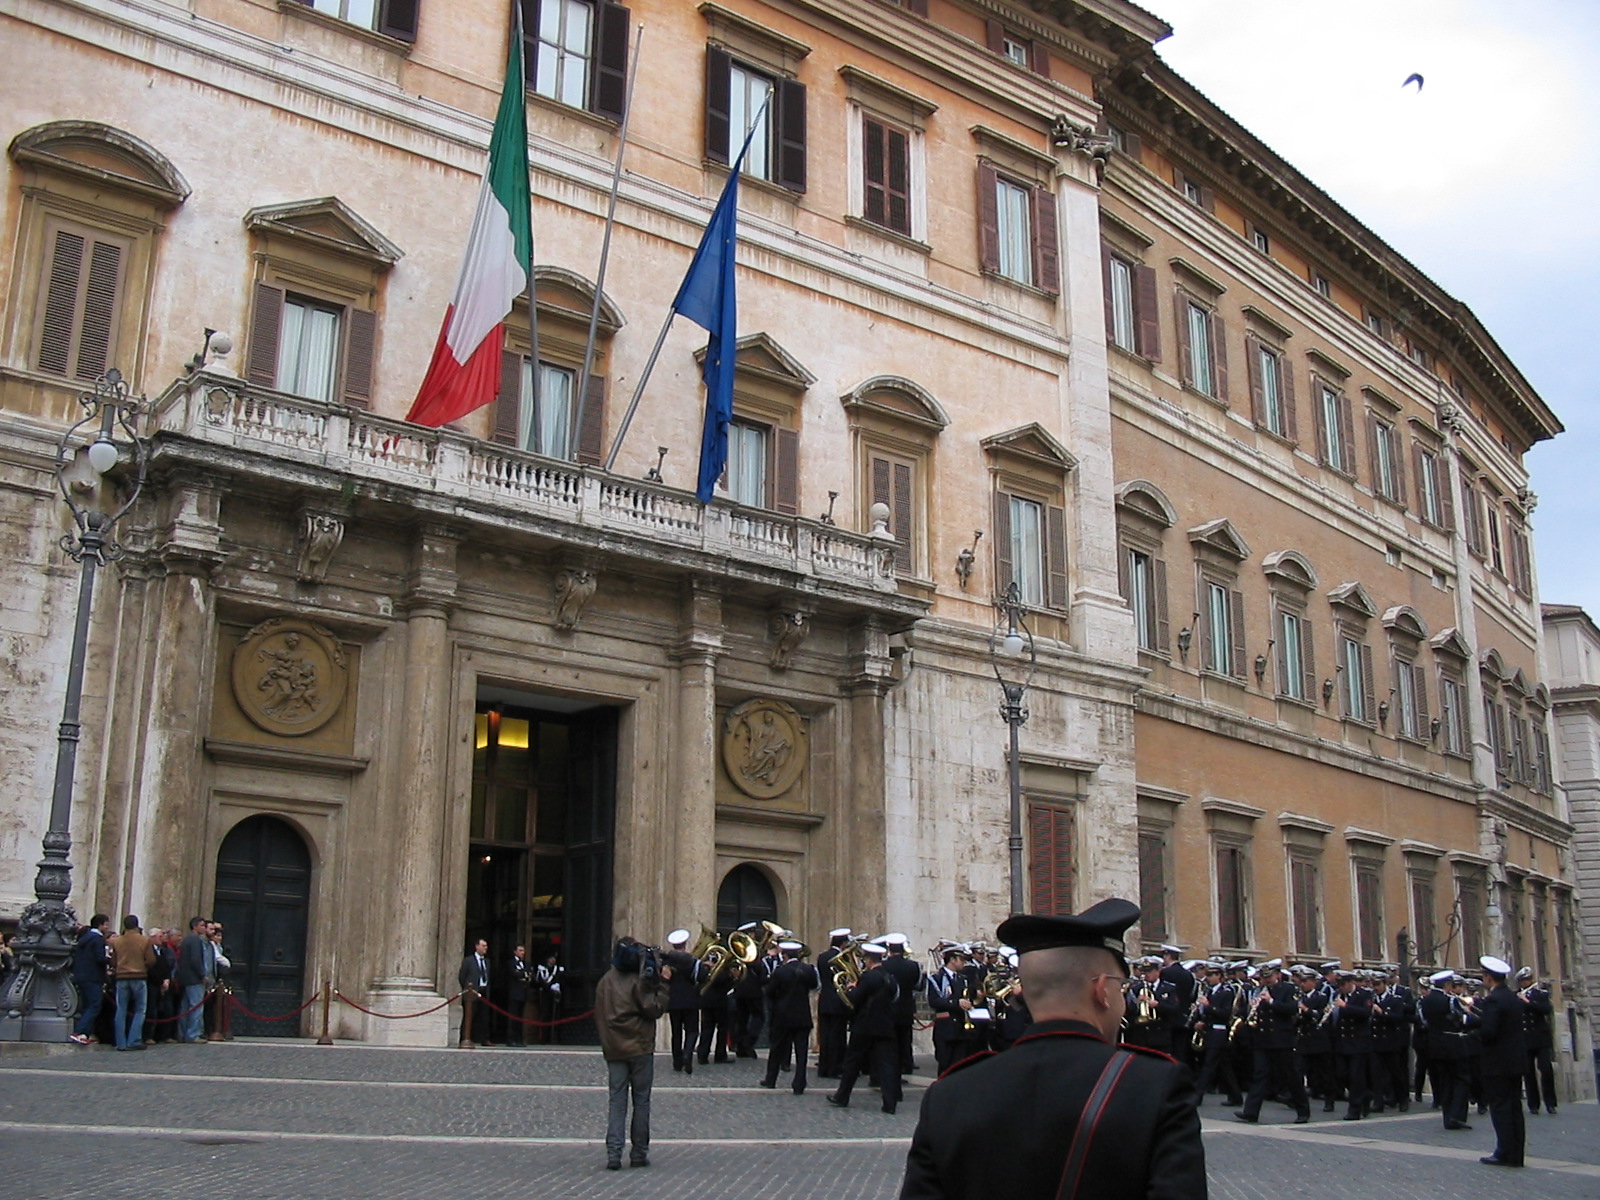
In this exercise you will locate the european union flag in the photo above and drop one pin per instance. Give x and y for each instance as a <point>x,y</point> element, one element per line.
<point>707,299</point>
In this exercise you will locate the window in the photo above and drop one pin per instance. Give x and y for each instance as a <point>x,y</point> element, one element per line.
<point>1491,523</point>
<point>1051,863</point>
<point>1517,744</point>
<point>1356,699</point>
<point>1218,551</point>
<point>1219,629</point>
<point>763,469</point>
<point>1410,700</point>
<point>82,290</point>
<point>1521,555</point>
<point>576,53</point>
<point>308,346</point>
<point>1130,298</point>
<point>1027,548</point>
<point>893,484</point>
<point>1202,347</point>
<point>1541,782</point>
<point>1540,911</point>
<point>393,18</point>
<point>1233,892</point>
<point>894,424</point>
<point>1297,672</point>
<point>1019,239</point>
<point>1494,719</point>
<point>1014,48</point>
<point>1388,472</point>
<point>1031,546</point>
<point>1196,193</point>
<point>1154,885</point>
<point>1377,324</point>
<point>1433,496</point>
<point>1369,907</point>
<point>735,94</point>
<point>541,420</point>
<point>1305,900</point>
<point>1145,589</point>
<point>1564,932</point>
<point>1424,926</point>
<point>748,449</point>
<point>1514,931</point>
<point>887,175</point>
<point>1323,285</point>
<point>1417,353</point>
<point>1470,884</point>
<point>1260,240</point>
<point>1271,389</point>
<point>1452,713</point>
<point>1335,435</point>
<point>1472,515</point>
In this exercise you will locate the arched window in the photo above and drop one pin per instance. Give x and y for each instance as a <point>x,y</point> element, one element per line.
<point>745,895</point>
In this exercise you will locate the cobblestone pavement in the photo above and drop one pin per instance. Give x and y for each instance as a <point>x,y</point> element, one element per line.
<point>286,1119</point>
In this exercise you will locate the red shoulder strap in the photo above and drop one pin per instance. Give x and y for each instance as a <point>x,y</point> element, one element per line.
<point>1089,1123</point>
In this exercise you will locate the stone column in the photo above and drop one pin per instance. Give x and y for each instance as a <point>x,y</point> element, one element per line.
<point>689,818</point>
<point>862,838</point>
<point>416,910</point>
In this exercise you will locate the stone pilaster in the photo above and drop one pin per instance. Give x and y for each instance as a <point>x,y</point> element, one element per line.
<point>862,839</point>
<point>690,820</point>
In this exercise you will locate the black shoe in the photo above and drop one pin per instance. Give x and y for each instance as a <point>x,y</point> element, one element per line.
<point>1533,1112</point>
<point>1459,1125</point>
<point>1235,1101</point>
<point>765,1084</point>
<point>1551,1109</point>
<point>1239,1116</point>
<point>705,1062</point>
<point>889,1109</point>
<point>1405,1106</point>
<point>1327,1106</point>
<point>677,1066</point>
<point>836,1102</point>
<point>1303,1119</point>
<point>1494,1160</point>
<point>688,1067</point>
<point>1352,1116</point>
<point>639,1161</point>
<point>721,1058</point>
<point>1483,1110</point>
<point>613,1164</point>
<point>799,1091</point>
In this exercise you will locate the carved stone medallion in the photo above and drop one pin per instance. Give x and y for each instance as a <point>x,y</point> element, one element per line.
<point>764,748</point>
<point>289,676</point>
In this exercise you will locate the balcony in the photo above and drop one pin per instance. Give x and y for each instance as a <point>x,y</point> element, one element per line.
<point>238,428</point>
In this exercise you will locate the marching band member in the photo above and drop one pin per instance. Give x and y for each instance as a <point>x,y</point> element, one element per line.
<point>683,999</point>
<point>1536,1032</point>
<point>1273,1019</point>
<point>1216,1062</point>
<point>833,1017</point>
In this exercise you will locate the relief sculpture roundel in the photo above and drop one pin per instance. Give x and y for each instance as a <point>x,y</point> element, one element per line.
<point>764,748</point>
<point>289,676</point>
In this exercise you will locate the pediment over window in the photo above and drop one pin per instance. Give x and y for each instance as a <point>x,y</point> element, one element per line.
<point>1145,499</point>
<point>1541,696</point>
<point>103,155</point>
<point>565,293</point>
<point>761,356</point>
<point>1449,641</point>
<point>898,399</point>
<point>1404,619</point>
<point>1221,536</point>
<point>1492,664</point>
<point>1519,683</point>
<point>326,223</point>
<point>1034,443</point>
<point>1290,566</point>
<point>1353,597</point>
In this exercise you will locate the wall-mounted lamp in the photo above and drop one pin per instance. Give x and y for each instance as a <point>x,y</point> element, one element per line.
<point>827,517</point>
<point>967,558</point>
<point>1433,729</point>
<point>653,475</point>
<point>1327,692</point>
<point>1261,668</point>
<point>1384,706</point>
<point>1185,639</point>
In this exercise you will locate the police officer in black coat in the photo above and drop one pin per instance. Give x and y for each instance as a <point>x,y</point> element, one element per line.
<point>1504,1062</point>
<point>1063,1097</point>
<point>833,1015</point>
<point>790,990</point>
<point>520,975</point>
<point>872,1038</point>
<point>1536,1013</point>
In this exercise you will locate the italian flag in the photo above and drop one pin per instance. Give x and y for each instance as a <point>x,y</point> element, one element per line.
<point>465,372</point>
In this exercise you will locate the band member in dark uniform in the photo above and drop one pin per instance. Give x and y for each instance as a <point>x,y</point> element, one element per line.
<point>1272,1017</point>
<point>1152,1008</point>
<point>1536,1033</point>
<point>748,992</point>
<point>952,997</point>
<point>1180,977</point>
<point>1504,1063</point>
<point>1392,1011</point>
<point>1313,1044</point>
<point>908,976</point>
<point>1216,1061</point>
<point>790,990</point>
<point>1352,1042</point>
<point>716,1016</point>
<point>833,1017</point>
<point>1064,1100</point>
<point>683,1000</point>
<point>1447,1022</point>
<point>872,1032</point>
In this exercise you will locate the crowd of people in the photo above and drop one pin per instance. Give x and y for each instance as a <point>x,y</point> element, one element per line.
<point>139,987</point>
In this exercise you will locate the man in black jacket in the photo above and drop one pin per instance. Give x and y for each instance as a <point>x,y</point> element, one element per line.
<point>872,1032</point>
<point>952,997</point>
<point>474,974</point>
<point>1536,1032</point>
<point>908,977</point>
<point>520,972</point>
<point>1447,1022</point>
<point>1015,1124</point>
<point>1276,1009</point>
<point>1504,1062</point>
<point>1352,1041</point>
<point>833,1017</point>
<point>193,975</point>
<point>1392,1011</point>
<point>683,1000</point>
<point>790,990</point>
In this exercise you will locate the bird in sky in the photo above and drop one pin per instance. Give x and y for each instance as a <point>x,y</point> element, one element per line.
<point>1413,78</point>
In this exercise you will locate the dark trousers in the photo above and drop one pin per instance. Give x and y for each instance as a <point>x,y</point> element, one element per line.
<point>1216,1066</point>
<point>516,1031</point>
<point>1421,1072</point>
<point>90,997</point>
<point>833,1031</point>
<point>1503,1094</point>
<point>685,1033</point>
<point>1450,1084</point>
<point>1356,1068</point>
<point>714,1032</point>
<point>884,1058</point>
<point>1541,1076</point>
<point>749,1016</point>
<point>1320,1078</point>
<point>1390,1075</point>
<point>902,1037</point>
<point>951,1048</point>
<point>1274,1074</point>
<point>787,1038</point>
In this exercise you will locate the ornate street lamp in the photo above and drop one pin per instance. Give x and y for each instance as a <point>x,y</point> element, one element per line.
<point>38,1000</point>
<point>1012,654</point>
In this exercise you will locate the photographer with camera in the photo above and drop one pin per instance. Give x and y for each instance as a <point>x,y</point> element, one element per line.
<point>628,1001</point>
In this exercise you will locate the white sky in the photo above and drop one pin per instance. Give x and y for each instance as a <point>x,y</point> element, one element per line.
<point>1488,180</point>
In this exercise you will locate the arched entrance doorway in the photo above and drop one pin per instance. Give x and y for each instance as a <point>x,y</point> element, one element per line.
<point>263,900</point>
<point>745,895</point>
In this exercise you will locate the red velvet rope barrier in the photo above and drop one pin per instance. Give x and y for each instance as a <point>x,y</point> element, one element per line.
<point>394,1016</point>
<point>183,1014</point>
<point>234,1000</point>
<point>487,1003</point>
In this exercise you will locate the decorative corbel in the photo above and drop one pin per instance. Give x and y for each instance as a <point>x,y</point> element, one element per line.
<point>575,587</point>
<point>320,536</point>
<point>1080,139</point>
<point>787,630</point>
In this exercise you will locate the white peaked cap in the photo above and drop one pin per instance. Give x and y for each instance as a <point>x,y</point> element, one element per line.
<point>1497,966</point>
<point>876,949</point>
<point>895,939</point>
<point>833,933</point>
<point>677,937</point>
<point>790,946</point>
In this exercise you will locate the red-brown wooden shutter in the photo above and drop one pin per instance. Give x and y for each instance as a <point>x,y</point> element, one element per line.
<point>1046,241</point>
<point>398,19</point>
<point>1447,501</point>
<point>897,149</point>
<point>1320,411</point>
<point>1230,916</point>
<point>917,7</point>
<point>1372,454</point>
<point>1051,865</point>
<point>1219,357</point>
<point>1056,554</point>
<point>610,97</point>
<point>719,84</point>
<point>360,352</point>
<point>61,303</point>
<point>791,104</point>
<point>1347,434</point>
<point>1041,60</point>
<point>995,35</point>
<point>1419,685</point>
<point>1163,622</point>
<point>1004,571</point>
<point>786,471</point>
<point>1236,632</point>
<point>1308,661</point>
<point>591,437</point>
<point>1369,701</point>
<point>988,218</point>
<point>1185,346</point>
<point>875,175</point>
<point>1124,570</point>
<point>1252,370</point>
<point>1146,315</point>
<point>1152,885</point>
<point>508,401</point>
<point>101,286</point>
<point>1208,200</point>
<point>1105,284</point>
<point>266,320</point>
<point>1397,464</point>
<point>1286,400</point>
<point>903,512</point>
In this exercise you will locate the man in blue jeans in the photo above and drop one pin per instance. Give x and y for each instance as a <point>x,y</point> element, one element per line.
<point>628,1001</point>
<point>194,973</point>
<point>132,956</point>
<point>90,957</point>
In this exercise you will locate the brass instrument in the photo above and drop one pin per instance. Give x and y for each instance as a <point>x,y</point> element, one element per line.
<point>738,954</point>
<point>1329,1012</point>
<point>1146,1005</point>
<point>704,944</point>
<point>846,968</point>
<point>1254,1019</point>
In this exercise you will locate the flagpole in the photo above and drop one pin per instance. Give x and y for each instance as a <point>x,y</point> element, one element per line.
<point>533,248</point>
<point>605,254</point>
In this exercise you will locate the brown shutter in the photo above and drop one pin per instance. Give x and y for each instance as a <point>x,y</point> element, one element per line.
<point>530,41</point>
<point>1230,919</point>
<point>1416,471</point>
<point>995,33</point>
<point>398,19</point>
<point>1185,347</point>
<point>1219,357</point>
<point>1046,241</point>
<point>1003,569</point>
<point>1320,412</point>
<point>1202,606</point>
<point>1041,59</point>
<point>1347,434</point>
<point>61,303</point>
<point>591,437</point>
<point>1163,622</point>
<point>1056,553</point>
<point>791,105</point>
<point>1147,318</point>
<point>1308,660</point>
<point>1152,885</point>
<point>1208,200</point>
<point>610,96</point>
<point>988,218</point>
<point>1397,464</point>
<point>99,310</point>
<point>1369,700</point>
<point>1236,632</point>
<point>508,401</point>
<point>1105,283</point>
<point>1291,423</point>
<point>903,513</point>
<point>360,352</point>
<point>1131,144</point>
<point>1419,685</point>
<point>1123,572</point>
<point>1252,370</point>
<point>874,175</point>
<point>786,471</point>
<point>898,152</point>
<point>917,8</point>
<point>1050,860</point>
<point>266,319</point>
<point>1447,500</point>
<point>718,103</point>
<point>1372,454</point>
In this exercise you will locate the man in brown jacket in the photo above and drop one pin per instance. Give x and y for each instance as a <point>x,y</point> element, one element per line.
<point>628,1001</point>
<point>132,956</point>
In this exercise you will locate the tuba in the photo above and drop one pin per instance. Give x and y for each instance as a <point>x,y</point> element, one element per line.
<point>846,968</point>
<point>741,950</point>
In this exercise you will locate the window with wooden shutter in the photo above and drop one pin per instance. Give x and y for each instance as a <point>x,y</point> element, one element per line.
<point>1145,302</point>
<point>507,427</point>
<point>886,172</point>
<point>1369,909</point>
<point>1046,242</point>
<point>719,103</point>
<point>892,486</point>
<point>398,19</point>
<point>988,219</point>
<point>81,301</point>
<point>1153,921</point>
<point>1051,862</point>
<point>1305,890</point>
<point>786,471</point>
<point>360,350</point>
<point>1232,898</point>
<point>1424,924</point>
<point>266,320</point>
<point>1056,555</point>
<point>1004,570</point>
<point>791,126</point>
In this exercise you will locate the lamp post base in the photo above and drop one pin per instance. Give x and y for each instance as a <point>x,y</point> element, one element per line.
<point>38,1000</point>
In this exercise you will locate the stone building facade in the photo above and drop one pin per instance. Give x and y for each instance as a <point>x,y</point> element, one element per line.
<point>372,690</point>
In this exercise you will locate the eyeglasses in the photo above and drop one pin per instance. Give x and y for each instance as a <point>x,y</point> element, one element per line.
<point>1123,982</point>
